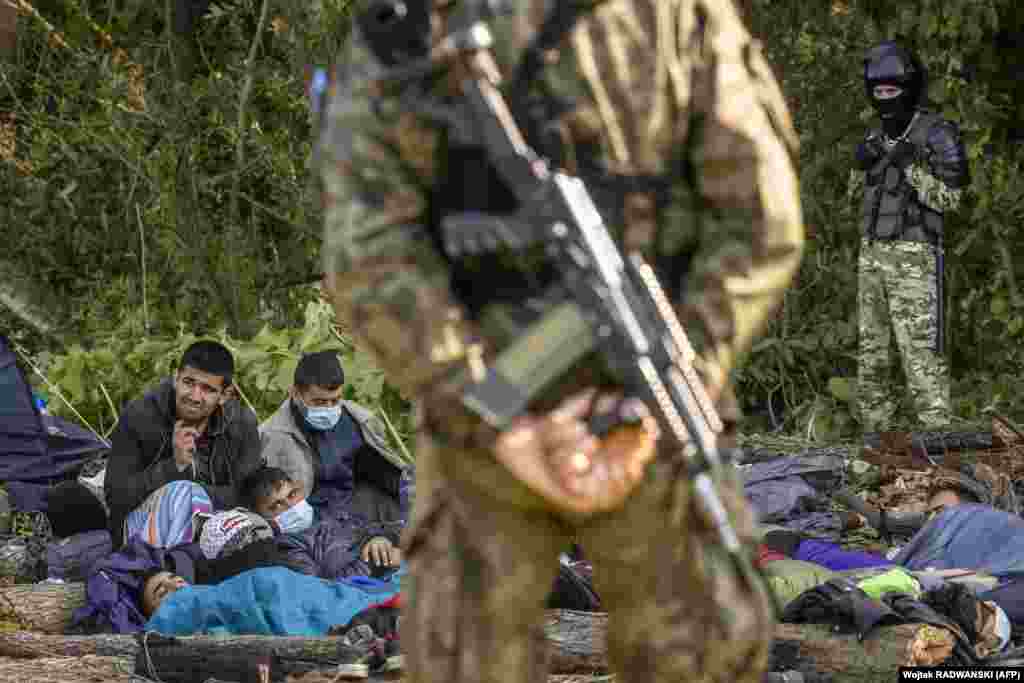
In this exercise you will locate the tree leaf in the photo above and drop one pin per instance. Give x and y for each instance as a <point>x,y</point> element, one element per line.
<point>841,389</point>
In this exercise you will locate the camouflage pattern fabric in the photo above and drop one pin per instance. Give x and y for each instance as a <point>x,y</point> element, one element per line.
<point>652,80</point>
<point>931,191</point>
<point>483,556</point>
<point>898,302</point>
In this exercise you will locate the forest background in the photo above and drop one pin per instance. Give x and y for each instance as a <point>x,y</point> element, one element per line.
<point>155,185</point>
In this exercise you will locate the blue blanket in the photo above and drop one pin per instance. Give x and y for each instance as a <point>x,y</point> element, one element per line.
<point>968,536</point>
<point>271,601</point>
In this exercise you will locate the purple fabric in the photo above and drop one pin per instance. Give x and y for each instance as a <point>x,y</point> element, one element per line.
<point>832,556</point>
<point>331,549</point>
<point>820,524</point>
<point>968,536</point>
<point>28,497</point>
<point>73,558</point>
<point>167,517</point>
<point>113,589</point>
<point>35,447</point>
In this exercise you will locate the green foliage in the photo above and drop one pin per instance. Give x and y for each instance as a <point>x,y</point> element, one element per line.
<point>178,155</point>
<point>151,186</point>
<point>807,360</point>
<point>99,382</point>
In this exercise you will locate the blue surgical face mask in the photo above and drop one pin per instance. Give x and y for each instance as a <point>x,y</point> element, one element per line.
<point>298,517</point>
<point>321,419</point>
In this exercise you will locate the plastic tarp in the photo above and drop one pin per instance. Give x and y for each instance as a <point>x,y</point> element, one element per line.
<point>789,488</point>
<point>36,447</point>
<point>271,601</point>
<point>968,536</point>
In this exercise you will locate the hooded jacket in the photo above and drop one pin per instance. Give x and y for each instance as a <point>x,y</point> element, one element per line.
<point>142,454</point>
<point>287,445</point>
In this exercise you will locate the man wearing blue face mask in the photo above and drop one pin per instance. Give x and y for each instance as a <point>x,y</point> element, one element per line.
<point>332,447</point>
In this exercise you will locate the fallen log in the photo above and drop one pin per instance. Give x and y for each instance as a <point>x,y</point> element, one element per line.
<point>90,669</point>
<point>935,443</point>
<point>577,646</point>
<point>842,658</point>
<point>577,641</point>
<point>45,607</point>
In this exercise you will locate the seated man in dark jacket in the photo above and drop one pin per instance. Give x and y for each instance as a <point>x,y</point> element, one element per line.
<point>333,447</point>
<point>182,449</point>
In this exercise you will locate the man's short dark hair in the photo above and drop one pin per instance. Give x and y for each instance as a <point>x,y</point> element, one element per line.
<point>322,369</point>
<point>260,484</point>
<point>211,357</point>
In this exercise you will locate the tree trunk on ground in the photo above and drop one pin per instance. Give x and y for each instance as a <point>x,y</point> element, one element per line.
<point>844,659</point>
<point>577,640</point>
<point>90,669</point>
<point>41,607</point>
<point>577,645</point>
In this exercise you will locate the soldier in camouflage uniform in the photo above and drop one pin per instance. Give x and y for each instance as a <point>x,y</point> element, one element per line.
<point>915,171</point>
<point>667,109</point>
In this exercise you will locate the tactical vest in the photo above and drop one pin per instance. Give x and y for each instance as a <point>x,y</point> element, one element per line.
<point>891,209</point>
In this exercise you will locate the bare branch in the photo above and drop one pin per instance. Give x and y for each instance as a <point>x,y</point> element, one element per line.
<point>243,104</point>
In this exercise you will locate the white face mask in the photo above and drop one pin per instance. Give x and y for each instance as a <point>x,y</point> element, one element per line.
<point>298,517</point>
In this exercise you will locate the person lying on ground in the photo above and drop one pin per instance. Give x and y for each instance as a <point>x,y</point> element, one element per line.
<point>797,546</point>
<point>183,448</point>
<point>333,549</point>
<point>960,538</point>
<point>973,483</point>
<point>334,447</point>
<point>363,620</point>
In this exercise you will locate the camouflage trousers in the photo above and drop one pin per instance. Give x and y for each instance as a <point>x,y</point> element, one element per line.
<point>898,300</point>
<point>482,552</point>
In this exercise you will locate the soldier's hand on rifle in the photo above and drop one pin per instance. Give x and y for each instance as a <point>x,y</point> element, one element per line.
<point>869,152</point>
<point>557,456</point>
<point>903,154</point>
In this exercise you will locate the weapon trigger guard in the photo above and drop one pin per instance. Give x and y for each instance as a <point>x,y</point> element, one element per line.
<point>603,424</point>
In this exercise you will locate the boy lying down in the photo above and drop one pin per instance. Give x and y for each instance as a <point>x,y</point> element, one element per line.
<point>311,581</point>
<point>273,530</point>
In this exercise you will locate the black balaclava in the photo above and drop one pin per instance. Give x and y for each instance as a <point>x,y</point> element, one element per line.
<point>891,64</point>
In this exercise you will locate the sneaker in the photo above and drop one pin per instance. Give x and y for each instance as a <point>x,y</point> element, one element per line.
<point>393,659</point>
<point>356,648</point>
<point>385,657</point>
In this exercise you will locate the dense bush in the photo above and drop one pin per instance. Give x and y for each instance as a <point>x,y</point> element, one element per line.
<point>98,382</point>
<point>157,187</point>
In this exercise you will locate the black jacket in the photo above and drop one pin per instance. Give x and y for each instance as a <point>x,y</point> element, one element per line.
<point>142,454</point>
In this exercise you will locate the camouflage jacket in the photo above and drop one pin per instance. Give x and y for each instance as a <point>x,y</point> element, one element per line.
<point>668,88</point>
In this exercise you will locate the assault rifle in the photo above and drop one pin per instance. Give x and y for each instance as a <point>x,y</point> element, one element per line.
<point>615,305</point>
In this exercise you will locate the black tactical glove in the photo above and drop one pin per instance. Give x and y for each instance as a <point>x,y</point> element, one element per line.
<point>903,154</point>
<point>869,152</point>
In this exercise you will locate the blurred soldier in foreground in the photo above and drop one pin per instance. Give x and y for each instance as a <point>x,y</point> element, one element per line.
<point>670,116</point>
<point>915,170</point>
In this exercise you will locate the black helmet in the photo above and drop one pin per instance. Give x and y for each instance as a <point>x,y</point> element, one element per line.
<point>889,63</point>
<point>396,31</point>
